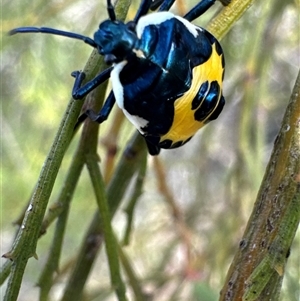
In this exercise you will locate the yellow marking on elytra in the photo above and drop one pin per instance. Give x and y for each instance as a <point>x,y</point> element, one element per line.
<point>184,124</point>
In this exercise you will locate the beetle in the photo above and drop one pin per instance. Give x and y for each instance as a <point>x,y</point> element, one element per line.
<point>166,73</point>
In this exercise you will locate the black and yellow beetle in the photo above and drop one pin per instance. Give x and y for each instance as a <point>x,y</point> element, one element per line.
<point>166,73</point>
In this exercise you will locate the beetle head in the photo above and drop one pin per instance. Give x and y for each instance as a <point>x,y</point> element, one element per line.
<point>114,40</point>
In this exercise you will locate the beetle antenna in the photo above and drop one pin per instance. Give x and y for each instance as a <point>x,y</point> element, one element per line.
<point>53,31</point>
<point>111,11</point>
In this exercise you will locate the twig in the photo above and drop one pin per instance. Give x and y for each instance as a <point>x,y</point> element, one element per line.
<point>257,269</point>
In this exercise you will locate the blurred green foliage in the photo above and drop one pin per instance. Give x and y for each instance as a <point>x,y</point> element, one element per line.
<point>213,179</point>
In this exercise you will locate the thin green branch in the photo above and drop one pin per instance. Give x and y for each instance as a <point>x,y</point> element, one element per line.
<point>273,264</point>
<point>92,242</point>
<point>5,271</point>
<point>67,192</point>
<point>110,242</point>
<point>46,279</point>
<point>25,244</point>
<point>260,261</point>
<point>132,277</point>
<point>137,191</point>
<point>85,259</point>
<point>229,15</point>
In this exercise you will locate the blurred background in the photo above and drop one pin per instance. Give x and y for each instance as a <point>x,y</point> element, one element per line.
<point>212,181</point>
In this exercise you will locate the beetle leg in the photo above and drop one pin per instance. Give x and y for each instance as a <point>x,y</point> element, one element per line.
<point>79,77</point>
<point>156,4</point>
<point>143,9</point>
<point>101,116</point>
<point>201,8</point>
<point>153,149</point>
<point>111,11</point>
<point>105,110</point>
<point>165,5</point>
<point>79,91</point>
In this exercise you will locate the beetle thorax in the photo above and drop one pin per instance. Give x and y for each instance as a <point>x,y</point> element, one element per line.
<point>115,40</point>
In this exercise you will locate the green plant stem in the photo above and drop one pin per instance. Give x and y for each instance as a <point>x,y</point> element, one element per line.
<point>137,191</point>
<point>230,14</point>
<point>46,279</point>
<point>272,265</point>
<point>110,242</point>
<point>93,240</point>
<point>25,243</point>
<point>67,192</point>
<point>86,256</point>
<point>5,270</point>
<point>132,277</point>
<point>259,263</point>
